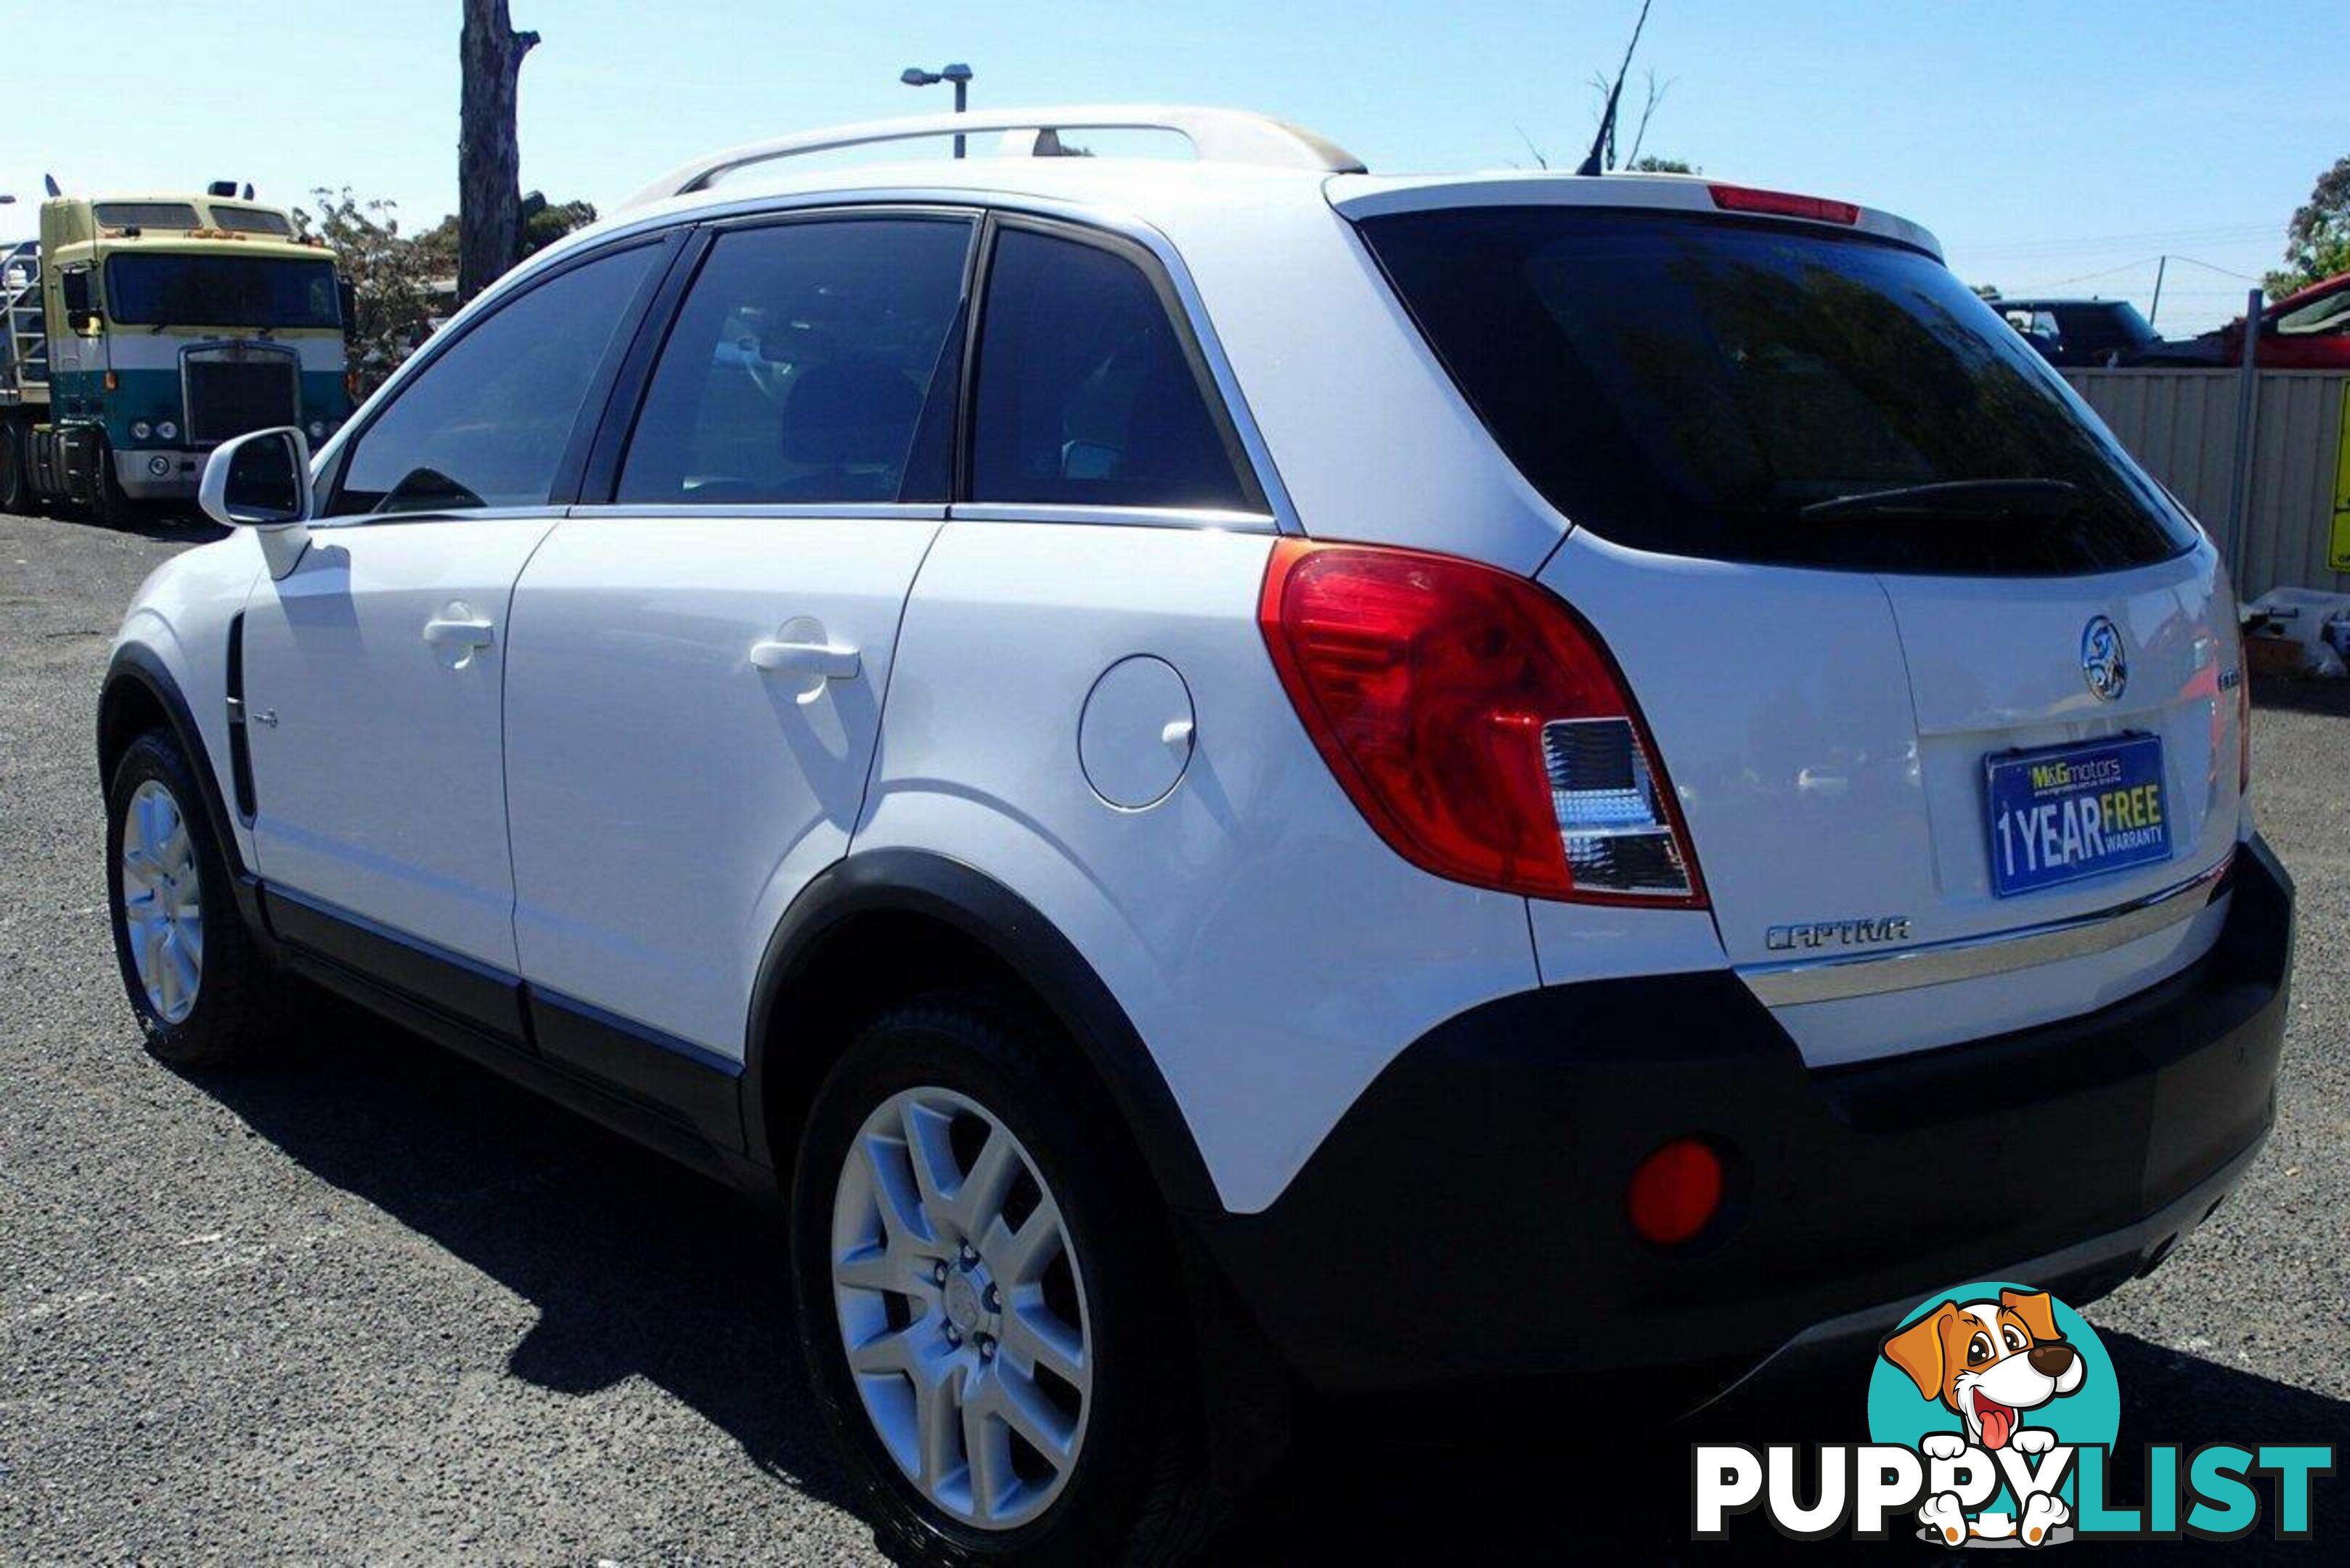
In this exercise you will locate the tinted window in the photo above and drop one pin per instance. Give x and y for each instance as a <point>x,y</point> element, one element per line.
<point>1086,394</point>
<point>1690,385</point>
<point>799,366</point>
<point>146,216</point>
<point>486,422</point>
<point>251,220</point>
<point>166,290</point>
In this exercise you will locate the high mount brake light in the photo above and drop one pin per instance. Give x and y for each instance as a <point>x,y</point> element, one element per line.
<point>1783,204</point>
<point>1477,723</point>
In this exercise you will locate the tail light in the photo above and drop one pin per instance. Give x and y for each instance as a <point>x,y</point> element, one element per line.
<point>1783,204</point>
<point>1675,1192</point>
<point>1477,723</point>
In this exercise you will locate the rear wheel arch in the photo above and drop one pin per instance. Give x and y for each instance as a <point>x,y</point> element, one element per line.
<point>888,925</point>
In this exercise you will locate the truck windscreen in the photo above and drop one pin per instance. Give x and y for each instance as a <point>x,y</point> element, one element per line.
<point>163,290</point>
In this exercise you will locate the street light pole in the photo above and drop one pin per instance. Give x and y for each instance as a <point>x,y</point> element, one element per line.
<point>957,73</point>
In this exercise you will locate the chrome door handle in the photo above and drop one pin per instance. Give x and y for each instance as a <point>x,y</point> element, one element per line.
<point>812,660</point>
<point>445,632</point>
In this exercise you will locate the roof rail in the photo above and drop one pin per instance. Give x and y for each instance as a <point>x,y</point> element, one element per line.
<point>1217,135</point>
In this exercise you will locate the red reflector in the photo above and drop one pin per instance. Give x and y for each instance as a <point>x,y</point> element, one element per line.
<point>1781,204</point>
<point>1675,1192</point>
<point>1441,693</point>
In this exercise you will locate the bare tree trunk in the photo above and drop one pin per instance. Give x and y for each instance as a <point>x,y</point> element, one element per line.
<point>489,161</point>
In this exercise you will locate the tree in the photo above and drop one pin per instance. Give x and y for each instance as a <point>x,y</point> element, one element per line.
<point>489,157</point>
<point>545,222</point>
<point>2317,241</point>
<point>1649,163</point>
<point>391,276</point>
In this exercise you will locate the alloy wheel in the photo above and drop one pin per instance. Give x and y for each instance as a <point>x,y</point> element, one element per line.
<point>163,904</point>
<point>962,1308</point>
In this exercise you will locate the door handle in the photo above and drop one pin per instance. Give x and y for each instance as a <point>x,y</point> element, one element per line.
<point>812,660</point>
<point>447,632</point>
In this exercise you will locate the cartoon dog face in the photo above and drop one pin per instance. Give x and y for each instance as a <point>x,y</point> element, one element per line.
<point>1989,1361</point>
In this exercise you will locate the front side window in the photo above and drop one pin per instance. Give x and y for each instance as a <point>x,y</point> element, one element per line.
<point>799,365</point>
<point>1087,395</point>
<point>167,290</point>
<point>486,422</point>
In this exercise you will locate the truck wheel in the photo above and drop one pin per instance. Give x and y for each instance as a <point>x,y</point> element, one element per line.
<point>115,508</point>
<point>15,493</point>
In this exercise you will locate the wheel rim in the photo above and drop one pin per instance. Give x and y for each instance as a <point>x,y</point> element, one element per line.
<point>162,907</point>
<point>962,1308</point>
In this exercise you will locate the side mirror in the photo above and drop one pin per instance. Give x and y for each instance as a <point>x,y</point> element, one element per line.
<point>262,481</point>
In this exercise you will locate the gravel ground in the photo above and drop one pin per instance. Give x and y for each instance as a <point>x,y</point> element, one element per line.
<point>373,1304</point>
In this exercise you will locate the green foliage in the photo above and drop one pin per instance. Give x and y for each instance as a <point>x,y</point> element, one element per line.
<point>2317,241</point>
<point>545,222</point>
<point>1649,163</point>
<point>405,282</point>
<point>390,274</point>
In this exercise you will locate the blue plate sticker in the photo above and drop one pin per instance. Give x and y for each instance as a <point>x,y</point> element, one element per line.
<point>2070,811</point>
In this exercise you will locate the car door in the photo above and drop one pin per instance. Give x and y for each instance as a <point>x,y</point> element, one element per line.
<point>695,679</point>
<point>373,669</point>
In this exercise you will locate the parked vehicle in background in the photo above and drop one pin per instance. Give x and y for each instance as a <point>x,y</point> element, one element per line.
<point>2077,332</point>
<point>142,331</point>
<point>2308,330</point>
<point>1236,776</point>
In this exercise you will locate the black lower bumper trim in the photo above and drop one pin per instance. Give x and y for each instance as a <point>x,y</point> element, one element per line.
<point>1463,1226</point>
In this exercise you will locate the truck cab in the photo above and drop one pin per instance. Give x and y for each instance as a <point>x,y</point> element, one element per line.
<point>166,325</point>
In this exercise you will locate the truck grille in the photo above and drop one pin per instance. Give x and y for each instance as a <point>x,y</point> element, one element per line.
<point>230,394</point>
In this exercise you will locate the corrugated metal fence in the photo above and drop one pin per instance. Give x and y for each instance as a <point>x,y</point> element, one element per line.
<point>2182,424</point>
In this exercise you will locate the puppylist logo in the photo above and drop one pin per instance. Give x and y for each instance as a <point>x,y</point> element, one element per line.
<point>1991,1415</point>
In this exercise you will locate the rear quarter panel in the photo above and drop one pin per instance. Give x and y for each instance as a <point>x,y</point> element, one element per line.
<point>1272,953</point>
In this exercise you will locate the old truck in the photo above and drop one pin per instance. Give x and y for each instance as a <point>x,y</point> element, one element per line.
<point>142,331</point>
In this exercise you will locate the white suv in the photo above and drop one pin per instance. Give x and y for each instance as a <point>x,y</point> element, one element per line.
<point>1239,779</point>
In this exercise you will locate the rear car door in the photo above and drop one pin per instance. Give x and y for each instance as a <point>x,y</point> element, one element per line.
<point>374,671</point>
<point>700,653</point>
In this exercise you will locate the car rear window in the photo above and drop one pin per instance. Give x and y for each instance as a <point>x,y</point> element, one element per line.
<point>1688,385</point>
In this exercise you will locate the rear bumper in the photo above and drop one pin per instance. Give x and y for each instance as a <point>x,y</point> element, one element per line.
<point>1462,1229</point>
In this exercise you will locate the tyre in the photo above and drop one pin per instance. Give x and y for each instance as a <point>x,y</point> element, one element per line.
<point>15,488</point>
<point>113,504</point>
<point>988,1306</point>
<point>200,990</point>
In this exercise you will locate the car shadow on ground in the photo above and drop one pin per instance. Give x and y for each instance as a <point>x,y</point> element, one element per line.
<point>640,1269</point>
<point>636,1267</point>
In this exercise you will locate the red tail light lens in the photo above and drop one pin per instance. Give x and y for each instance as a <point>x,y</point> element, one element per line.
<point>1476,723</point>
<point>1674,1193</point>
<point>1783,204</point>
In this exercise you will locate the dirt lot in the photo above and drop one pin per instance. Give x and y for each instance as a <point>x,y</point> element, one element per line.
<point>371,1304</point>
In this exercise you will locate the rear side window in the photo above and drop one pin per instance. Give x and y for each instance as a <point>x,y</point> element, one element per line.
<point>799,365</point>
<point>486,422</point>
<point>1086,394</point>
<point>1691,385</point>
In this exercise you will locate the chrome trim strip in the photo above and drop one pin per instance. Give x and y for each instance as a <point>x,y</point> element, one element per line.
<point>1996,953</point>
<point>1117,516</point>
<point>927,511</point>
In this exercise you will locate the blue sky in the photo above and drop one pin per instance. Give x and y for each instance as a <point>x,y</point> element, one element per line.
<point>2052,144</point>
